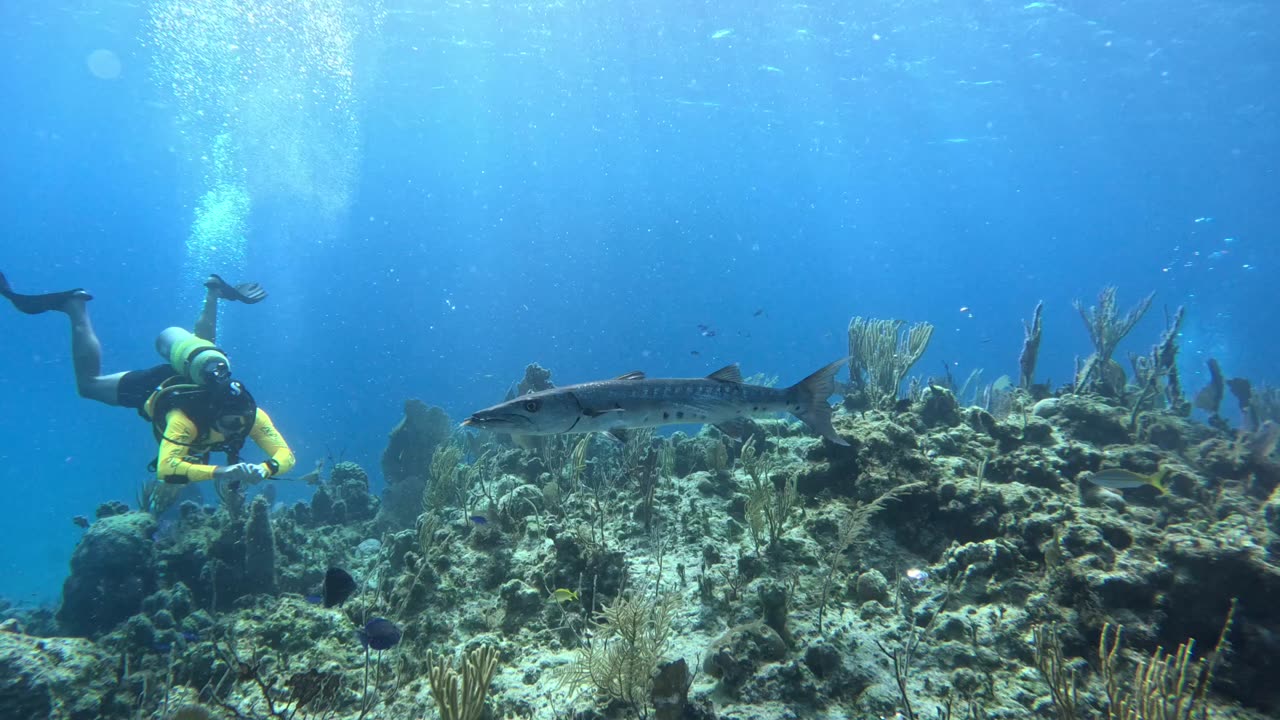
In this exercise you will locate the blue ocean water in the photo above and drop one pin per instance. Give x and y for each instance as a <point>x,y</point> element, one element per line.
<point>436,195</point>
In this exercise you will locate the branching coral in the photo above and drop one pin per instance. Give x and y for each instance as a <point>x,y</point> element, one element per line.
<point>1030,348</point>
<point>629,639</point>
<point>461,697</point>
<point>1055,669</point>
<point>1106,329</point>
<point>881,355</point>
<point>1160,363</point>
<point>442,489</point>
<point>1162,686</point>
<point>769,506</point>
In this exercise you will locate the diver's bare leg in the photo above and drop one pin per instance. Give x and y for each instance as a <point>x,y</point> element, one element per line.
<point>86,356</point>
<point>207,322</point>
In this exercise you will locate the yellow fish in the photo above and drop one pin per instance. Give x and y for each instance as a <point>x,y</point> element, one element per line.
<point>563,596</point>
<point>1120,479</point>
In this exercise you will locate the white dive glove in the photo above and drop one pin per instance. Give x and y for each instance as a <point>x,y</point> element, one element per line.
<point>241,473</point>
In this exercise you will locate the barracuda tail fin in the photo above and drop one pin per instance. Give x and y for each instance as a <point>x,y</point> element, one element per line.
<point>808,399</point>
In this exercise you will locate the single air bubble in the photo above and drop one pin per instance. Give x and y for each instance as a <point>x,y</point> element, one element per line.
<point>104,64</point>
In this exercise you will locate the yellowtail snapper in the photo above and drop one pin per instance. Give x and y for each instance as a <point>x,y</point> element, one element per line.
<point>1120,479</point>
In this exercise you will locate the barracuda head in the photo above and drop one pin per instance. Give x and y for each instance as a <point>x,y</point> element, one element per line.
<point>542,413</point>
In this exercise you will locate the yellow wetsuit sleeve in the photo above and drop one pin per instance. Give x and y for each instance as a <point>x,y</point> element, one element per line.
<point>265,435</point>
<point>172,464</point>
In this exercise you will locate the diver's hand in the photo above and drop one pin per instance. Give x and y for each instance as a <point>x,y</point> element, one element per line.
<point>258,472</point>
<point>238,473</point>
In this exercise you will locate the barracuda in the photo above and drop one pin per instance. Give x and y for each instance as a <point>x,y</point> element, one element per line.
<point>635,401</point>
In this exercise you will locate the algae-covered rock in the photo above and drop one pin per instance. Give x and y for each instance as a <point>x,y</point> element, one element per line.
<point>345,498</point>
<point>349,485</point>
<point>775,602</point>
<point>520,604</point>
<point>67,678</point>
<point>1271,511</point>
<point>740,653</point>
<point>406,462</point>
<point>1091,420</point>
<point>112,570</point>
<point>259,549</point>
<point>871,586</point>
<point>937,407</point>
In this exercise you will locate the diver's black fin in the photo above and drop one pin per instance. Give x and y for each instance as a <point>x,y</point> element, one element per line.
<point>247,293</point>
<point>36,304</point>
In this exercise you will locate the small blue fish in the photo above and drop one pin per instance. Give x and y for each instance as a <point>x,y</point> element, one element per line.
<point>162,647</point>
<point>190,636</point>
<point>479,519</point>
<point>379,634</point>
<point>314,599</point>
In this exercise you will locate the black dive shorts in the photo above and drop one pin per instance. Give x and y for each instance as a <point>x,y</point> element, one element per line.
<point>137,385</point>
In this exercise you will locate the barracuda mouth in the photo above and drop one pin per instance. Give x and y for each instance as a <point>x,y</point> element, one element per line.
<point>495,421</point>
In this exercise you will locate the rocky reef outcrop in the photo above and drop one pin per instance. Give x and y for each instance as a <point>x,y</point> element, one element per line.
<point>113,568</point>
<point>406,462</point>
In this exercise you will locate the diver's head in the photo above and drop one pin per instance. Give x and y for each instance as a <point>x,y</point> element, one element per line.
<point>195,358</point>
<point>234,408</point>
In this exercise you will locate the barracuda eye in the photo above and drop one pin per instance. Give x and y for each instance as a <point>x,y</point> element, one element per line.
<point>532,405</point>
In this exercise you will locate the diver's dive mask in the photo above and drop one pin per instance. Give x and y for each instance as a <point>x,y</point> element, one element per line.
<point>234,408</point>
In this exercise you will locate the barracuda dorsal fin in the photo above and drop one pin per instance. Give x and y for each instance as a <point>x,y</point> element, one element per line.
<point>633,375</point>
<point>728,373</point>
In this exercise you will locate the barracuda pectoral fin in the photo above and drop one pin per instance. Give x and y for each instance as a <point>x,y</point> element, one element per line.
<point>735,430</point>
<point>808,401</point>
<point>597,413</point>
<point>618,434</point>
<point>728,373</point>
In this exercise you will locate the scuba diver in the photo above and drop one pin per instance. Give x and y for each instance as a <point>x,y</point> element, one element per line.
<point>194,406</point>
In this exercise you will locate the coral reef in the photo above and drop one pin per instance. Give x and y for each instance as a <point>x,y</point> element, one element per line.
<point>951,561</point>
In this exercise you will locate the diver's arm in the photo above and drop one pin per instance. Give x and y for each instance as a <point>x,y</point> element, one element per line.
<point>172,465</point>
<point>272,443</point>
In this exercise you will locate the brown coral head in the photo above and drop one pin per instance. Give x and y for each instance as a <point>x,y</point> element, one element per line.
<point>1242,390</point>
<point>1263,442</point>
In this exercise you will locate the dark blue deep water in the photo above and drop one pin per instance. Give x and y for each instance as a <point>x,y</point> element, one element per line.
<point>437,194</point>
